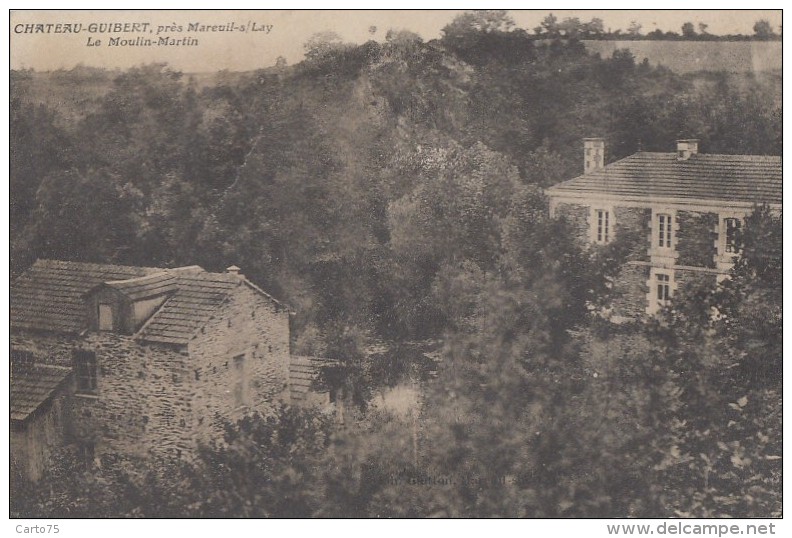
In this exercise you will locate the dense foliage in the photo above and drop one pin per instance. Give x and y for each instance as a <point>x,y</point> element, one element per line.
<point>391,193</point>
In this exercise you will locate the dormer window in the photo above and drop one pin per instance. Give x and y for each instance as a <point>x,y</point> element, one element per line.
<point>105,313</point>
<point>123,306</point>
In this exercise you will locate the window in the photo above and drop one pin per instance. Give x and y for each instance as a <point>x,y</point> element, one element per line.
<point>603,226</point>
<point>732,227</point>
<point>85,372</point>
<point>240,382</point>
<point>663,288</point>
<point>21,360</point>
<point>86,453</point>
<point>105,317</point>
<point>664,230</point>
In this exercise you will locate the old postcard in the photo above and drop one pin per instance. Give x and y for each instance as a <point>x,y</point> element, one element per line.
<point>404,264</point>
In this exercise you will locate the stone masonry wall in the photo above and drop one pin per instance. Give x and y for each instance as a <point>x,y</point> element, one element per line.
<point>32,443</point>
<point>632,226</point>
<point>687,278</point>
<point>47,348</point>
<point>696,238</point>
<point>250,325</point>
<point>160,399</point>
<point>628,296</point>
<point>577,216</point>
<point>140,403</point>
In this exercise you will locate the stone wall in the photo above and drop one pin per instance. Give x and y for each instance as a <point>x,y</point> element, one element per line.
<point>159,399</point>
<point>249,325</point>
<point>140,402</point>
<point>47,348</point>
<point>687,278</point>
<point>628,295</point>
<point>696,237</point>
<point>578,218</point>
<point>632,227</point>
<point>33,442</point>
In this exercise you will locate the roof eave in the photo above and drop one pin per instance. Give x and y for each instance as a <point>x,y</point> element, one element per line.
<point>666,200</point>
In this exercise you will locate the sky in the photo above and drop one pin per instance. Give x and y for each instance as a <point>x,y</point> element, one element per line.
<point>239,50</point>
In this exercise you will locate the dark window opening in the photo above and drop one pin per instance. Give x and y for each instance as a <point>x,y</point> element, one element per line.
<point>86,453</point>
<point>240,382</point>
<point>603,226</point>
<point>85,372</point>
<point>732,235</point>
<point>21,360</point>
<point>663,288</point>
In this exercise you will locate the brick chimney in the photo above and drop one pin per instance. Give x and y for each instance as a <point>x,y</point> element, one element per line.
<point>593,154</point>
<point>686,148</point>
<point>233,270</point>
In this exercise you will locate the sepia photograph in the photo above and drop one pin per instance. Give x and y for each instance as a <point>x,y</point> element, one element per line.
<point>397,264</point>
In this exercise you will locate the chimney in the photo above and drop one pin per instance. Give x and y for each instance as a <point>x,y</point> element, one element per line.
<point>233,270</point>
<point>686,148</point>
<point>593,154</point>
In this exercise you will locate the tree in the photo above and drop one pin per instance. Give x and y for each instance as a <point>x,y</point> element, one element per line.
<point>594,28</point>
<point>321,44</point>
<point>634,29</point>
<point>720,349</point>
<point>750,303</point>
<point>763,29</point>
<point>38,147</point>
<point>549,26</point>
<point>484,21</point>
<point>688,30</point>
<point>267,466</point>
<point>571,27</point>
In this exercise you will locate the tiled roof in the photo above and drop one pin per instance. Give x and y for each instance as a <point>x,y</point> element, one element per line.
<point>188,309</point>
<point>50,296</point>
<point>730,178</point>
<point>32,386</point>
<point>145,286</point>
<point>303,371</point>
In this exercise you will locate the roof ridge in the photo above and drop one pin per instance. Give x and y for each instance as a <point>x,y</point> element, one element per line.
<point>52,261</point>
<point>136,279</point>
<point>52,366</point>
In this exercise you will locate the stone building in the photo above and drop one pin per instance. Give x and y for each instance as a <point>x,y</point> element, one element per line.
<point>137,360</point>
<point>679,213</point>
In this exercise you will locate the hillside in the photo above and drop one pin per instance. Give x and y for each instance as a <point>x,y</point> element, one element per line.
<point>314,160</point>
<point>693,56</point>
<point>392,195</point>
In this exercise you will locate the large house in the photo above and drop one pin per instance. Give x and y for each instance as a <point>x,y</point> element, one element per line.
<point>144,361</point>
<point>683,210</point>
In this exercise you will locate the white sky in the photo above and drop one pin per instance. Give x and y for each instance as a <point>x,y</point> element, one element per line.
<point>291,29</point>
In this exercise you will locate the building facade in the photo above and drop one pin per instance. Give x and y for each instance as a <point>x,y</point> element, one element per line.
<point>679,214</point>
<point>135,360</point>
